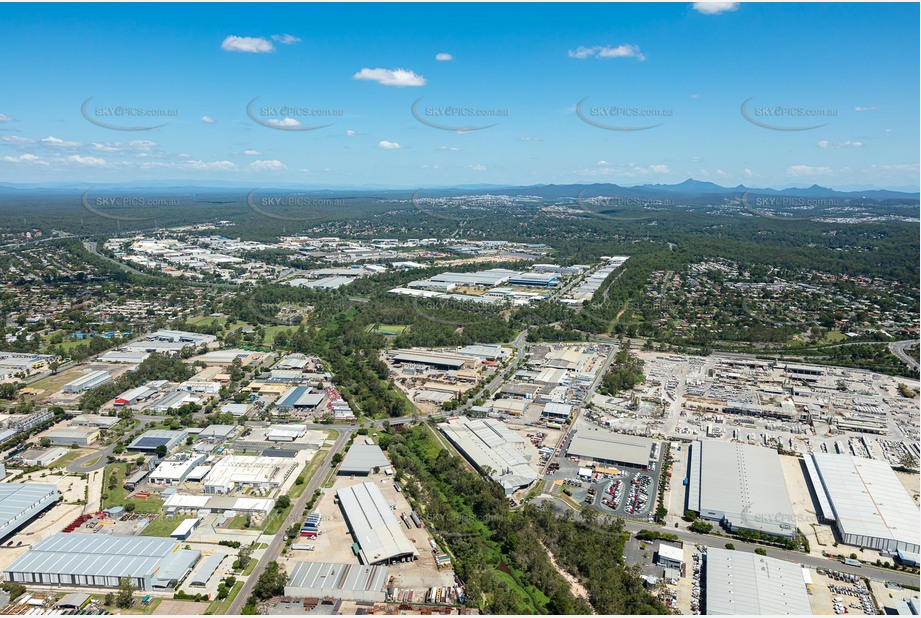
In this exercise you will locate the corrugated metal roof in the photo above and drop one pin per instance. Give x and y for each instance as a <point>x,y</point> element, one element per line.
<point>611,447</point>
<point>320,579</point>
<point>208,567</point>
<point>19,501</point>
<point>741,583</point>
<point>363,458</point>
<point>377,531</point>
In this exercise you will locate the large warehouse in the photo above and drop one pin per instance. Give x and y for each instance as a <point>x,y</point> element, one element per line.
<point>362,459</point>
<point>349,582</point>
<point>740,486</point>
<point>379,535</point>
<point>102,561</point>
<point>66,436</point>
<point>744,584</point>
<point>239,471</point>
<point>87,381</point>
<point>866,501</point>
<point>488,442</point>
<point>608,448</point>
<point>20,502</point>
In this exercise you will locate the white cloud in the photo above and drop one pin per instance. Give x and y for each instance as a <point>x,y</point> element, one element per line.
<point>87,161</point>
<point>140,145</point>
<point>284,123</point>
<point>631,170</point>
<point>839,145</point>
<point>860,108</point>
<point>267,165</point>
<point>531,139</point>
<point>286,39</point>
<point>350,133</point>
<point>250,44</point>
<point>748,173</point>
<point>715,8</point>
<point>251,152</point>
<point>444,57</point>
<point>807,170</point>
<point>209,165</point>
<point>25,158</point>
<point>626,50</point>
<point>602,163</point>
<point>391,77</point>
<point>448,149</point>
<point>5,118</point>
<point>56,141</point>
<point>18,140</point>
<point>384,144</point>
<point>207,119</point>
<point>476,167</point>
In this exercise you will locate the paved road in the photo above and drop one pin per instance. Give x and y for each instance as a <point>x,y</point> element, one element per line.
<point>686,536</point>
<point>521,347</point>
<point>77,466</point>
<point>295,515</point>
<point>900,349</point>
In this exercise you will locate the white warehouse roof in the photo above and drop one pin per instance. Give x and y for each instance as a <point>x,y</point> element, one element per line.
<point>378,533</point>
<point>869,504</point>
<point>742,583</point>
<point>487,442</point>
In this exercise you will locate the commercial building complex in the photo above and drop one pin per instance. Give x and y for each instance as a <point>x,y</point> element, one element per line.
<point>488,442</point>
<point>866,502</point>
<point>378,534</point>
<point>87,381</point>
<point>20,502</point>
<point>740,486</point>
<point>608,448</point>
<point>240,472</point>
<point>102,561</point>
<point>349,582</point>
<point>740,583</point>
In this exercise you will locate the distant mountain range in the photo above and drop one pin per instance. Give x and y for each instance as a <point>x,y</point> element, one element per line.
<point>689,189</point>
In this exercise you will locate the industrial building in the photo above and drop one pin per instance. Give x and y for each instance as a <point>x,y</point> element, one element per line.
<point>285,433</point>
<point>181,336</point>
<point>149,440</point>
<point>865,500</point>
<point>608,448</point>
<point>300,398</point>
<point>238,471</point>
<point>184,503</point>
<point>94,420</point>
<point>207,569</point>
<point>432,359</point>
<point>669,556</point>
<point>102,561</point>
<point>176,469</point>
<point>483,278</point>
<point>87,381</point>
<point>349,582</point>
<point>67,436</point>
<point>20,502</point>
<point>122,356</point>
<point>362,459</point>
<point>557,412</point>
<point>488,442</point>
<point>739,583</point>
<point>217,433</point>
<point>541,280</point>
<point>378,535</point>
<point>42,457</point>
<point>740,486</point>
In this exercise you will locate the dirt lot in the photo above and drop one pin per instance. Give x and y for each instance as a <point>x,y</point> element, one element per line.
<point>171,607</point>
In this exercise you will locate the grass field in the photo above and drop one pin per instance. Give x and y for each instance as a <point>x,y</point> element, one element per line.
<point>387,329</point>
<point>272,331</point>
<point>206,320</point>
<point>220,607</point>
<point>118,496</point>
<point>162,526</point>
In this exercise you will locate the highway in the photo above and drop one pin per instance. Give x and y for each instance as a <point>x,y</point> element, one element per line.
<point>900,349</point>
<point>295,515</point>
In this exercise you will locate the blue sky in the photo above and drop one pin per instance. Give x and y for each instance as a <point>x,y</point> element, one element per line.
<point>524,69</point>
